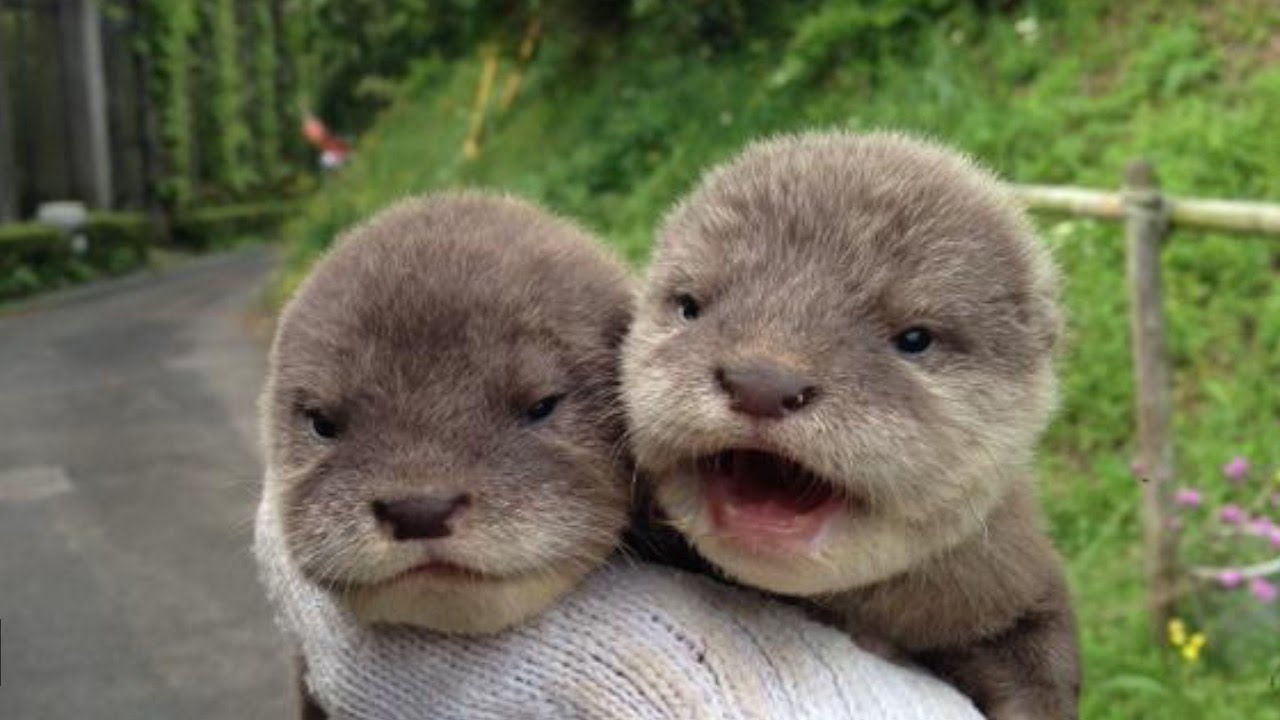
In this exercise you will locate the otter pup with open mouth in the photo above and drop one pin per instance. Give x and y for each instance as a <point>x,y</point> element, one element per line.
<point>840,366</point>
<point>440,416</point>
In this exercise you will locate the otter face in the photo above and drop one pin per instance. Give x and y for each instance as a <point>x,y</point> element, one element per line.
<point>441,419</point>
<point>841,361</point>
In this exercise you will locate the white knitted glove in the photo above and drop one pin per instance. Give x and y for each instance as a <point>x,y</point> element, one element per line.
<point>633,642</point>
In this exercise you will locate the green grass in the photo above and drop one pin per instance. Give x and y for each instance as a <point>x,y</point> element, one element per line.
<point>614,142</point>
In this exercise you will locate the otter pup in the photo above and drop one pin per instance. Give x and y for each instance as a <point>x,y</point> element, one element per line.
<point>440,417</point>
<point>839,368</point>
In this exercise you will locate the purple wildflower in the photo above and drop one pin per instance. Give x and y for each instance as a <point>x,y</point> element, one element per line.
<point>1261,526</point>
<point>1188,497</point>
<point>1275,537</point>
<point>1237,469</point>
<point>1263,590</point>
<point>1232,514</point>
<point>1230,578</point>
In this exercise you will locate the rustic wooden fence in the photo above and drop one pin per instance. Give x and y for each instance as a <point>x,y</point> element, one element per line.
<point>1149,218</point>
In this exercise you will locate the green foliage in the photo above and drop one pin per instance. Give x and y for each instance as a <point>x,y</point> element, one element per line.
<point>1173,64</point>
<point>351,48</point>
<point>231,164</point>
<point>296,22</point>
<point>24,234</point>
<point>21,241</point>
<point>349,42</point>
<point>216,226</point>
<point>266,68</point>
<point>36,257</point>
<point>32,257</point>
<point>213,80</point>
<point>118,242</point>
<point>168,26</point>
<point>719,24</point>
<point>845,30</point>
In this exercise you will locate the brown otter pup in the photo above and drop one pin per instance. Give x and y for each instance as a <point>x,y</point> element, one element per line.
<point>440,417</point>
<point>839,369</point>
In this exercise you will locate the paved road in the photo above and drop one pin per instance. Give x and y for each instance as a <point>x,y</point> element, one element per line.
<point>128,473</point>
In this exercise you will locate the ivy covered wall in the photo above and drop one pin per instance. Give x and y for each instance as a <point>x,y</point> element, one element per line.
<point>226,82</point>
<point>230,80</point>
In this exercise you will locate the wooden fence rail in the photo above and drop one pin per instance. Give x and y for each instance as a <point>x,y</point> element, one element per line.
<point>1218,215</point>
<point>1149,217</point>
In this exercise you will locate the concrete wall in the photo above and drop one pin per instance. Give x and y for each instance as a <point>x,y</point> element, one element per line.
<point>73,124</point>
<point>8,172</point>
<point>89,139</point>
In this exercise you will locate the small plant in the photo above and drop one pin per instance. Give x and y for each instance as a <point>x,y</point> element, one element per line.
<point>1231,543</point>
<point>1187,645</point>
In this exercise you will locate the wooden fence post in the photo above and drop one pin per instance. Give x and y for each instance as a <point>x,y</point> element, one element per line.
<point>1146,225</point>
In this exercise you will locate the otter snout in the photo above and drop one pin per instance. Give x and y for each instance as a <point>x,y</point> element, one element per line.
<point>763,389</point>
<point>419,518</point>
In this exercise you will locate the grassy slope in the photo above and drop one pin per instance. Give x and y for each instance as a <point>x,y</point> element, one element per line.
<point>1196,91</point>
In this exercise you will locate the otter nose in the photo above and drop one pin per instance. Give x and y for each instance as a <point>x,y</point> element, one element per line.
<point>420,518</point>
<point>765,390</point>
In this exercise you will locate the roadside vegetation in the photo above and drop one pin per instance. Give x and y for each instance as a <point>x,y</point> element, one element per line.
<point>204,100</point>
<point>611,124</point>
<point>35,257</point>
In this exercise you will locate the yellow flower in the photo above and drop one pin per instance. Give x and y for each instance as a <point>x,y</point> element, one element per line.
<point>1177,632</point>
<point>1191,650</point>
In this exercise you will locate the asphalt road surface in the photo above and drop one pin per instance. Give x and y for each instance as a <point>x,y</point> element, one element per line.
<point>128,474</point>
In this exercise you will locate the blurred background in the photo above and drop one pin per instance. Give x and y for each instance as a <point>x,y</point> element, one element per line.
<point>206,151</point>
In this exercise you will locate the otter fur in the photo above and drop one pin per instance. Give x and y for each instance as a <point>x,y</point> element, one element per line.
<point>841,363</point>
<point>440,419</point>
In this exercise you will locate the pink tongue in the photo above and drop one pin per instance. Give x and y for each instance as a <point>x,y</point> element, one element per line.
<point>761,511</point>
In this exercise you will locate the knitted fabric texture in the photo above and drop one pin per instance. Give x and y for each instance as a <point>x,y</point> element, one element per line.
<point>634,642</point>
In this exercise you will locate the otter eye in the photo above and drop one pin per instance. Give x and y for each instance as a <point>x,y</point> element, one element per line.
<point>687,307</point>
<point>322,426</point>
<point>542,409</point>
<point>913,341</point>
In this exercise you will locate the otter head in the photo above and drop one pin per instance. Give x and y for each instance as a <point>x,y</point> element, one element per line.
<point>841,360</point>
<point>440,417</point>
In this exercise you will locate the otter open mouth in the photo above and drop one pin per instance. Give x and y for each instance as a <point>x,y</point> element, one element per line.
<point>767,501</point>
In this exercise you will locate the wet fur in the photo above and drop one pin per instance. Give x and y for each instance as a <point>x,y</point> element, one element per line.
<point>811,252</point>
<point>426,333</point>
